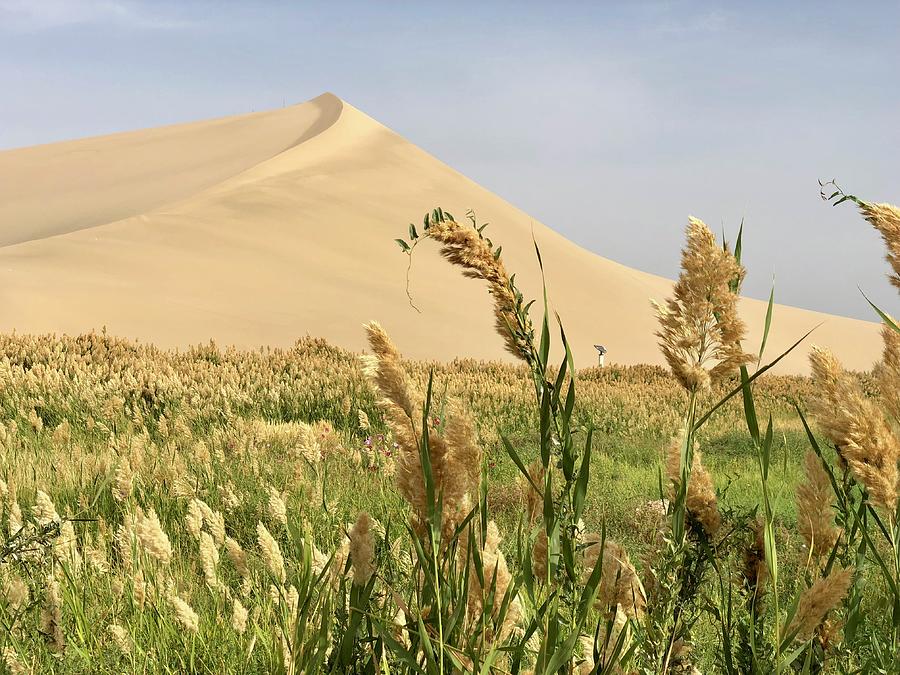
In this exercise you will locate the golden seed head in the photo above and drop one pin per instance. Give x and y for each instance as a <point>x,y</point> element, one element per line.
<point>184,614</point>
<point>362,550</point>
<point>277,507</point>
<point>816,601</point>
<point>620,587</point>
<point>120,638</point>
<point>154,540</point>
<point>886,219</point>
<point>856,427</point>
<point>702,505</point>
<point>44,510</point>
<point>700,329</point>
<point>193,519</point>
<point>815,514</point>
<point>239,616</point>
<point>271,552</point>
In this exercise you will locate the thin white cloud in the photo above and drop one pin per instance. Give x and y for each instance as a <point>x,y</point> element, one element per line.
<point>686,23</point>
<point>31,15</point>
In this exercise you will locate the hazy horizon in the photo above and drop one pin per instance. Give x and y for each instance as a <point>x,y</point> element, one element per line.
<point>610,124</point>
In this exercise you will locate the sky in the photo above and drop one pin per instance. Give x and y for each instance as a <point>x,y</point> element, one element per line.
<point>609,122</point>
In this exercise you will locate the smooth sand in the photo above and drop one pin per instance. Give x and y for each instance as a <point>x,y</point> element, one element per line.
<point>258,229</point>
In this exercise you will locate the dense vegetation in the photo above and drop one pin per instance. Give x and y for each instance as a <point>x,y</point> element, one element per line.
<point>306,510</point>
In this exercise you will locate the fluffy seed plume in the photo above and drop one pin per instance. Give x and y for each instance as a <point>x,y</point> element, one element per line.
<point>120,638</point>
<point>455,454</point>
<point>271,552</point>
<point>815,517</point>
<point>886,219</point>
<point>209,559</point>
<point>239,616</point>
<point>362,550</point>
<point>237,556</point>
<point>123,483</point>
<point>467,248</point>
<point>13,664</point>
<point>497,579</point>
<point>44,510</point>
<point>15,591</point>
<point>215,521</point>
<point>51,618</point>
<point>184,614</point>
<point>888,371</point>
<point>193,519</point>
<point>816,601</point>
<point>700,330</point>
<point>153,539</point>
<point>701,502</point>
<point>277,507</point>
<point>856,427</point>
<point>620,587</point>
<point>756,570</point>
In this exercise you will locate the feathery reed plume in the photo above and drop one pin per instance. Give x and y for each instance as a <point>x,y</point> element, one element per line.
<point>15,591</point>
<point>277,507</point>
<point>856,427</point>
<point>386,371</point>
<point>44,510</point>
<point>701,502</point>
<point>756,570</point>
<point>193,519</point>
<point>215,521</point>
<point>139,589</point>
<point>120,638</point>
<point>467,248</point>
<point>362,550</point>
<point>455,455</point>
<point>271,552</point>
<point>238,557</point>
<point>15,518</point>
<point>13,664</point>
<point>209,559</point>
<point>239,616</point>
<point>123,481</point>
<point>888,372</point>
<point>498,578</point>
<point>815,517</point>
<point>65,547</point>
<point>230,498</point>
<point>700,330</point>
<point>886,219</point>
<point>51,618</point>
<point>153,539</point>
<point>816,601</point>
<point>184,613</point>
<point>619,583</point>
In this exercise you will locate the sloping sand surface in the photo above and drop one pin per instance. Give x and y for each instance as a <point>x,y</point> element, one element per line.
<point>258,229</point>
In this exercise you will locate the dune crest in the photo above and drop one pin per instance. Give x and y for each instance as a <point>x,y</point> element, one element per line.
<point>261,228</point>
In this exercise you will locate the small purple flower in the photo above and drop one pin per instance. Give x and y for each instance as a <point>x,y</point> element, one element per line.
<point>368,442</point>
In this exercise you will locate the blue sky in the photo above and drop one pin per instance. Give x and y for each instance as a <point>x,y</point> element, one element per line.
<point>610,122</point>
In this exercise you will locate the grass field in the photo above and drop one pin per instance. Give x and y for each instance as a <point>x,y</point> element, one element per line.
<point>102,425</point>
<point>312,510</point>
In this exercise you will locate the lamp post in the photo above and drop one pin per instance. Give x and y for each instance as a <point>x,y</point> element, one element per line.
<point>601,354</point>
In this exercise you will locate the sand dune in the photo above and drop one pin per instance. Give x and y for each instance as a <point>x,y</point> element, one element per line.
<point>261,228</point>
